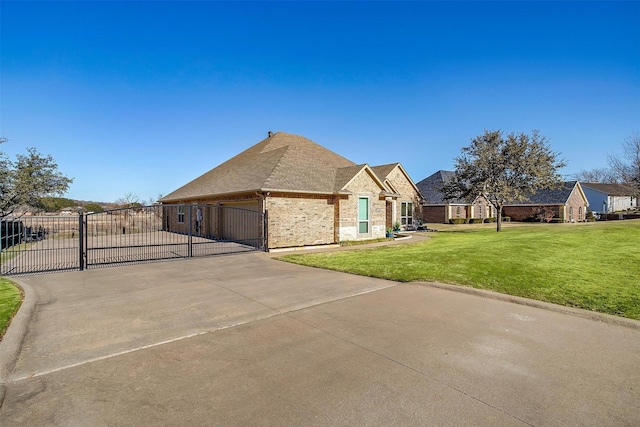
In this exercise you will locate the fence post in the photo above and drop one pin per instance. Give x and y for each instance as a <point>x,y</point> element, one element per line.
<point>190,239</point>
<point>81,240</point>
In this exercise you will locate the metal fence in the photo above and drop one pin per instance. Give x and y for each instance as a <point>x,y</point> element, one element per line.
<point>32,244</point>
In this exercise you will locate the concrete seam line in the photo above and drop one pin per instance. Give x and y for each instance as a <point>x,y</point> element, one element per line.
<point>574,311</point>
<point>391,284</point>
<point>397,362</point>
<point>131,350</point>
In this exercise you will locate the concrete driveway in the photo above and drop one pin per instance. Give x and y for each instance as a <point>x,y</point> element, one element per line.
<point>247,340</point>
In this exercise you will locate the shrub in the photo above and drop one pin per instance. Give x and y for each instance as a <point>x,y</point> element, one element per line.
<point>489,220</point>
<point>557,221</point>
<point>476,221</point>
<point>458,221</point>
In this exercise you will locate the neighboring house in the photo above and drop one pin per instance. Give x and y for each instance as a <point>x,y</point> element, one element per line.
<point>606,198</point>
<point>567,202</point>
<point>71,210</point>
<point>438,210</point>
<point>311,195</point>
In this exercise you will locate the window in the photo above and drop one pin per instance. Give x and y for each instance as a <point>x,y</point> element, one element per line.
<point>181,214</point>
<point>363,215</point>
<point>580,213</point>
<point>458,212</point>
<point>406,213</point>
<point>571,213</point>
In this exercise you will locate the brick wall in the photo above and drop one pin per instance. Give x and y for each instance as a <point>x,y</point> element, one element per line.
<point>434,214</point>
<point>482,209</point>
<point>408,194</point>
<point>522,212</point>
<point>300,220</point>
<point>362,186</point>
<point>576,207</point>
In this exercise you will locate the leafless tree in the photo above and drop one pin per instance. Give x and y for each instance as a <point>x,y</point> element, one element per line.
<point>602,175</point>
<point>129,200</point>
<point>627,166</point>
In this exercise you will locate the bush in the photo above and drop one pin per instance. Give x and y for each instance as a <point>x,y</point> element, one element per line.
<point>476,221</point>
<point>557,221</point>
<point>489,220</point>
<point>458,221</point>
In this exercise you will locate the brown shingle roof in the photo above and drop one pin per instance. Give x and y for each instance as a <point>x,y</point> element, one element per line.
<point>383,171</point>
<point>282,162</point>
<point>610,189</point>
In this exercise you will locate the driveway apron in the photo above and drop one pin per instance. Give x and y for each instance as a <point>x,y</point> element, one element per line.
<point>247,340</point>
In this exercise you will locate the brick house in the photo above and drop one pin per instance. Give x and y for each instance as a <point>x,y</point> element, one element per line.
<point>567,203</point>
<point>436,209</point>
<point>310,195</point>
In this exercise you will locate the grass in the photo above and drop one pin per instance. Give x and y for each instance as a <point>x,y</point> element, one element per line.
<point>10,300</point>
<point>14,251</point>
<point>594,266</point>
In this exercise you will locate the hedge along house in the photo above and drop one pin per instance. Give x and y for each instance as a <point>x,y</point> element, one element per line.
<point>567,203</point>
<point>309,194</point>
<point>436,209</point>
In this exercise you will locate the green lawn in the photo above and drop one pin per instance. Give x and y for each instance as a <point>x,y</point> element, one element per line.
<point>595,266</point>
<point>10,300</point>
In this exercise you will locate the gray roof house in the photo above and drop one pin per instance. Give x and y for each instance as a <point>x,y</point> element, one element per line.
<point>567,203</point>
<point>436,209</point>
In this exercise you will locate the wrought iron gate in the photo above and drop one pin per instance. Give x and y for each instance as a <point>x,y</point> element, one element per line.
<point>32,244</point>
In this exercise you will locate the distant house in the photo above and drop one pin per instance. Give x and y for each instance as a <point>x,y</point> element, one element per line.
<point>567,203</point>
<point>606,198</point>
<point>71,210</point>
<point>438,210</point>
<point>311,195</point>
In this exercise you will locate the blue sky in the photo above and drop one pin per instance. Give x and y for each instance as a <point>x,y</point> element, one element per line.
<point>142,97</point>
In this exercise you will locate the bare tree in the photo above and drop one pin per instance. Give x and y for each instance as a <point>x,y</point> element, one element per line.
<point>129,200</point>
<point>602,175</point>
<point>627,166</point>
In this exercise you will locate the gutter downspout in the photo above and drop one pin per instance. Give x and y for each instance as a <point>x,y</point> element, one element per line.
<point>265,221</point>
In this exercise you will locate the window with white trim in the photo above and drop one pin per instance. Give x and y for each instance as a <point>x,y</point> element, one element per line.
<point>363,215</point>
<point>181,214</point>
<point>406,213</point>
